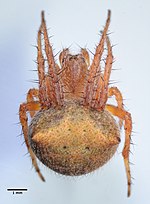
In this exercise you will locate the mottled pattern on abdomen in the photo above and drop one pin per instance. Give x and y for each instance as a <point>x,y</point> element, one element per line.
<point>73,140</point>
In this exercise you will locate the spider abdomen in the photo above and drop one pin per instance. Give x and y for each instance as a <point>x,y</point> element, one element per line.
<point>73,140</point>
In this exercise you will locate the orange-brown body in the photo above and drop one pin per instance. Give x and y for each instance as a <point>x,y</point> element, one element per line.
<point>72,130</point>
<point>73,140</point>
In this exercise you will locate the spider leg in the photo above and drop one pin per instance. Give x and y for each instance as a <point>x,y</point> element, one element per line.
<point>95,66</point>
<point>24,108</point>
<point>52,82</point>
<point>32,93</point>
<point>126,116</point>
<point>46,90</point>
<point>41,72</point>
<point>108,66</point>
<point>101,94</point>
<point>114,91</point>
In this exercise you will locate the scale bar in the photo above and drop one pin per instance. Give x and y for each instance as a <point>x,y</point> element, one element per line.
<point>17,189</point>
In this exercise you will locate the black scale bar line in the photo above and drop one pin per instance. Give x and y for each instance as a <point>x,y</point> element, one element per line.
<point>17,189</point>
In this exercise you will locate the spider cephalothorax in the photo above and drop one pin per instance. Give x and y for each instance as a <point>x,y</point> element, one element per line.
<point>72,130</point>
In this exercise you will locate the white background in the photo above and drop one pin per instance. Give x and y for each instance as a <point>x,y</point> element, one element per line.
<point>74,22</point>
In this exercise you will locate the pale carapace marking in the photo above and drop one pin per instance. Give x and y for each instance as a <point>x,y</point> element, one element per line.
<point>72,130</point>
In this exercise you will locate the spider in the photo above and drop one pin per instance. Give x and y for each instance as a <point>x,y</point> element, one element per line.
<point>72,129</point>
